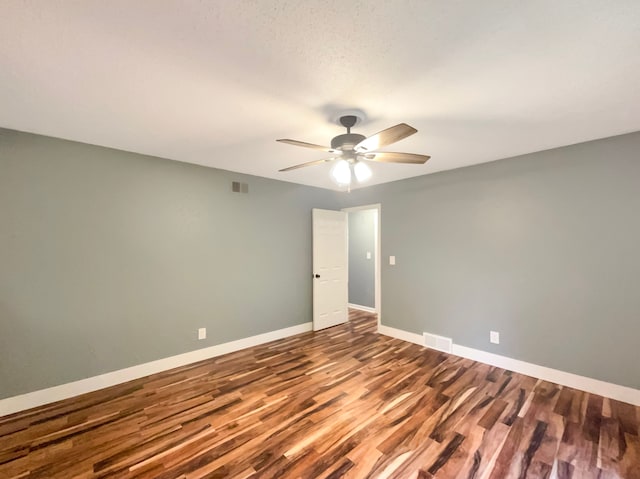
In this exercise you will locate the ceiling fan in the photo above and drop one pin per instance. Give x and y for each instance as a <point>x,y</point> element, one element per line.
<point>349,151</point>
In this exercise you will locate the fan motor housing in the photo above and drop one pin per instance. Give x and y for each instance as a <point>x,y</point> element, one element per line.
<point>346,141</point>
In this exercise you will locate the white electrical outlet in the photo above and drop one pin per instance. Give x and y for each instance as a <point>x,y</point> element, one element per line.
<point>392,260</point>
<point>202,333</point>
<point>368,254</point>
<point>494,337</point>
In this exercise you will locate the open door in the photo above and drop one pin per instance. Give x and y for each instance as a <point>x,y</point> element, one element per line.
<point>330,263</point>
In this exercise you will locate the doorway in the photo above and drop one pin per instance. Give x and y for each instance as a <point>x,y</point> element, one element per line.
<point>364,288</point>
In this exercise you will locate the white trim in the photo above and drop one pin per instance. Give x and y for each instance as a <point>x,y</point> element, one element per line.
<point>401,334</point>
<point>64,391</point>
<point>378,285</point>
<point>378,253</point>
<point>595,386</point>
<point>362,308</point>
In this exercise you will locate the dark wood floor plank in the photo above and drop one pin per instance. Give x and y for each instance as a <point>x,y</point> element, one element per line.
<point>343,402</point>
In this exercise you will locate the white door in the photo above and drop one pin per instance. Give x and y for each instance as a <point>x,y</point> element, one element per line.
<point>330,262</point>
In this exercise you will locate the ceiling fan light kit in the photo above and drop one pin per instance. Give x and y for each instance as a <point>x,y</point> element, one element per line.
<point>350,151</point>
<point>343,171</point>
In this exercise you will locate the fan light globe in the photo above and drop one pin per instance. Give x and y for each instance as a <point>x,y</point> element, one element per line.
<point>341,173</point>
<point>362,171</point>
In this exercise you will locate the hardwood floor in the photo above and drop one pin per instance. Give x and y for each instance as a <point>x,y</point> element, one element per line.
<point>344,402</point>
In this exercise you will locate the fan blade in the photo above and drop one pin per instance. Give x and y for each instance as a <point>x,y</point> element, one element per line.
<point>309,163</point>
<point>385,137</point>
<point>391,157</point>
<point>308,145</point>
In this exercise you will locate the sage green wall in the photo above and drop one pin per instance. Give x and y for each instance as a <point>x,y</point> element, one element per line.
<point>362,231</point>
<point>544,248</point>
<point>110,259</point>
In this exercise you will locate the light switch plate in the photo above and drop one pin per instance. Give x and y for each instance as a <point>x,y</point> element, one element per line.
<point>368,254</point>
<point>392,260</point>
<point>202,333</point>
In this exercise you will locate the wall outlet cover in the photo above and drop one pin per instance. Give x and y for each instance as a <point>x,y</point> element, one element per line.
<point>494,337</point>
<point>392,260</point>
<point>202,333</point>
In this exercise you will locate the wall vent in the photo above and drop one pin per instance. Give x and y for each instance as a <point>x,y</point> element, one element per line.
<point>238,187</point>
<point>440,343</point>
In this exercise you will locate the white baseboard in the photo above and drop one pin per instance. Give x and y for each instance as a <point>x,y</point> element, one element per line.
<point>64,391</point>
<point>362,308</point>
<point>401,334</point>
<point>595,386</point>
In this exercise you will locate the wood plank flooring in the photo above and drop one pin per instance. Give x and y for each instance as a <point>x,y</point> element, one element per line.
<point>344,402</point>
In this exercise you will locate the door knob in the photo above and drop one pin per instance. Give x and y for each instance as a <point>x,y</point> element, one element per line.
<point>317,275</point>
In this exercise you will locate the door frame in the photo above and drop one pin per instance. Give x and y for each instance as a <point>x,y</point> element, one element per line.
<point>378,255</point>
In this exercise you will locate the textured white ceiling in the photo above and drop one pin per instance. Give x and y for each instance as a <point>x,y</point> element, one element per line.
<point>216,82</point>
